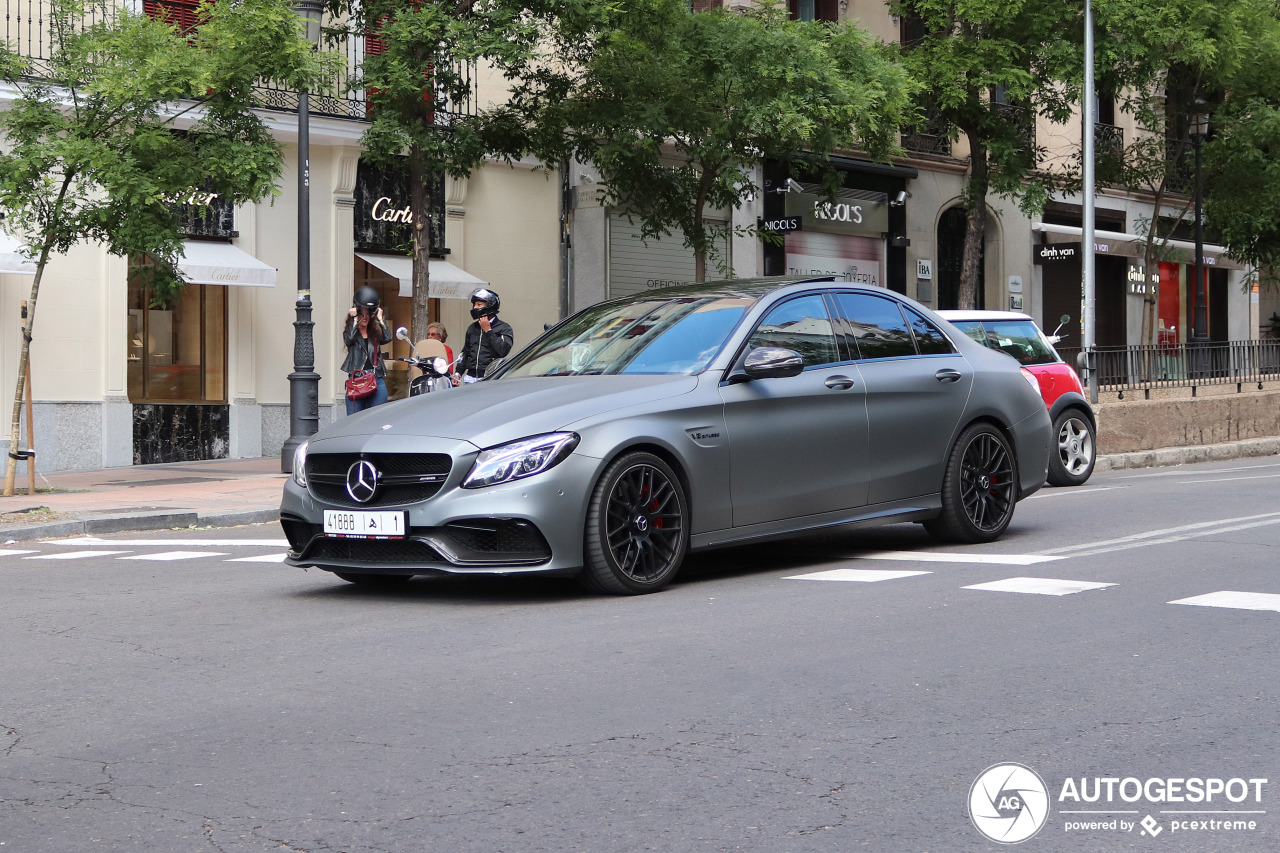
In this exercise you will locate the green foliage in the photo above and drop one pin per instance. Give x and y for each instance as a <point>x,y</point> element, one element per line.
<point>675,108</point>
<point>99,144</point>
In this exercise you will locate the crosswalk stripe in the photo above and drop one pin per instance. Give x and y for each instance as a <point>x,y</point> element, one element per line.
<point>75,555</point>
<point>1038,586</point>
<point>8,553</point>
<point>1235,600</point>
<point>210,543</point>
<point>967,557</point>
<point>174,555</point>
<point>862,575</point>
<point>261,558</point>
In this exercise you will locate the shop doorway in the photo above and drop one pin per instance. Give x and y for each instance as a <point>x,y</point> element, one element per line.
<point>952,227</point>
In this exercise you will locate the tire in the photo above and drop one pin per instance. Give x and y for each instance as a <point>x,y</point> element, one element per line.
<point>637,531</point>
<point>372,581</point>
<point>979,489</point>
<point>1075,449</point>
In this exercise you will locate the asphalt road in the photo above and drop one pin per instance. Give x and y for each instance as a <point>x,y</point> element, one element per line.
<point>186,692</point>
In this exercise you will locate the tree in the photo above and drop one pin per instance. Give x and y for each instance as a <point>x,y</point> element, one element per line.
<point>989,68</point>
<point>421,90</point>
<point>675,108</point>
<point>92,148</point>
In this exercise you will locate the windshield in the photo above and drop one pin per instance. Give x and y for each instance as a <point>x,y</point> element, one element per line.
<point>676,335</point>
<point>1018,338</point>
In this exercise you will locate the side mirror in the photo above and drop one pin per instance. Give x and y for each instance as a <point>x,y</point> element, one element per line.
<point>402,333</point>
<point>493,367</point>
<point>772,363</point>
<point>1064,319</point>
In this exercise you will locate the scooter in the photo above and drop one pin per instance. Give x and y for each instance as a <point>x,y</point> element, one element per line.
<point>436,369</point>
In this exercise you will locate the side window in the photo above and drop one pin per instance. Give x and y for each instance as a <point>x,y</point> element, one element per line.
<point>876,325</point>
<point>802,325</point>
<point>929,338</point>
<point>973,329</point>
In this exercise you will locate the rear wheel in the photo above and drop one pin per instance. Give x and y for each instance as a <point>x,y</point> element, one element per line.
<point>1071,462</point>
<point>979,489</point>
<point>637,527</point>
<point>370,581</point>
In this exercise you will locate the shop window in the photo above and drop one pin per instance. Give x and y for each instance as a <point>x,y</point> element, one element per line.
<point>177,348</point>
<point>814,10</point>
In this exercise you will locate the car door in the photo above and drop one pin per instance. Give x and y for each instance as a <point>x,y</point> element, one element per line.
<point>917,387</point>
<point>798,444</point>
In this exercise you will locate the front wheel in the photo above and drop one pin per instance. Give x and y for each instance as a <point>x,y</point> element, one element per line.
<point>637,527</point>
<point>979,489</point>
<point>1071,462</point>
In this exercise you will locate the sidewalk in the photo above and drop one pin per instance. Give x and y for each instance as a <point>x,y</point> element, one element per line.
<point>226,492</point>
<point>216,493</point>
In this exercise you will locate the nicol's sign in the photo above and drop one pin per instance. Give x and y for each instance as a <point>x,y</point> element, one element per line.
<point>1057,253</point>
<point>780,223</point>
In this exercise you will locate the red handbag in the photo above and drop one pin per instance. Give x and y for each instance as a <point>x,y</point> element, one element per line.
<point>362,383</point>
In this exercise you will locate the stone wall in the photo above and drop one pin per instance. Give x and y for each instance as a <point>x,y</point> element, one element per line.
<point>1130,426</point>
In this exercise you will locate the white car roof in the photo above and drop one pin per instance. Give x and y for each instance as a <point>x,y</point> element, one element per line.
<point>957,314</point>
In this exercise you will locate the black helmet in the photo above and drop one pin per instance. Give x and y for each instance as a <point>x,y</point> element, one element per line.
<point>491,303</point>
<point>367,298</point>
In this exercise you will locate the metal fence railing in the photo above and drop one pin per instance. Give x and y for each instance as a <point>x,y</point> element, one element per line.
<point>1183,365</point>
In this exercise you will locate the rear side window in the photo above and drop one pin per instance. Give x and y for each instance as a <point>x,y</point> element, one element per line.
<point>929,338</point>
<point>875,325</point>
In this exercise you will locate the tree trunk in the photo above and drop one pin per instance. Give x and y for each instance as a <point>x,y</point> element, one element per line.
<point>975,225</point>
<point>15,426</point>
<point>420,202</point>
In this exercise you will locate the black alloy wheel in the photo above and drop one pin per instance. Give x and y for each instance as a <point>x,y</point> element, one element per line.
<point>1071,462</point>
<point>637,527</point>
<point>979,489</point>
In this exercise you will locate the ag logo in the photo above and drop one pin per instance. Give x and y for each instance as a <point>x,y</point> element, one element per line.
<point>1008,803</point>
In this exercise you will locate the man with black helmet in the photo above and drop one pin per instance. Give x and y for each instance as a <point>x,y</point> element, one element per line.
<point>488,338</point>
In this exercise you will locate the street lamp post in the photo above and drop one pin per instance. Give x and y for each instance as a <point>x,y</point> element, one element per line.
<point>304,382</point>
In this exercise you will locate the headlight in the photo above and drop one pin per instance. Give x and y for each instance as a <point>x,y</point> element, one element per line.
<point>522,458</point>
<point>300,464</point>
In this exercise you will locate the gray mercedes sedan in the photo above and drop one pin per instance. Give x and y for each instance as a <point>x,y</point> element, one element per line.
<point>677,419</point>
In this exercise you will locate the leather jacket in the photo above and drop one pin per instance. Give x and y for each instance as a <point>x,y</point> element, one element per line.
<point>360,351</point>
<point>481,347</point>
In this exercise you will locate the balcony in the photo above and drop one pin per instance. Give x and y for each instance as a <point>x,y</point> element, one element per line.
<point>933,137</point>
<point>1021,119</point>
<point>26,30</point>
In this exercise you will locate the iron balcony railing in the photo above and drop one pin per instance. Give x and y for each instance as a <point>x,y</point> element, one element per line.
<point>1183,365</point>
<point>26,31</point>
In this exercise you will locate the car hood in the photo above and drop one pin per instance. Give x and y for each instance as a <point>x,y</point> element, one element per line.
<point>489,413</point>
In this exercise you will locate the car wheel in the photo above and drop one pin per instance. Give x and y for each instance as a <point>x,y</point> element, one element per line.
<point>979,489</point>
<point>370,581</point>
<point>1071,463</point>
<point>637,527</point>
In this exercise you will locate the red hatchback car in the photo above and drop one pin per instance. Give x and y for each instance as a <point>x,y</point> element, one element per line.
<point>1074,427</point>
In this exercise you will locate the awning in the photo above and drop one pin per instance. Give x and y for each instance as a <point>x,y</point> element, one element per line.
<point>11,259</point>
<point>444,280</point>
<point>1134,245</point>
<point>207,262</point>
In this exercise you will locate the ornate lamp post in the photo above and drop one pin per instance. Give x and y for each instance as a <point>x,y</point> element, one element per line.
<point>304,382</point>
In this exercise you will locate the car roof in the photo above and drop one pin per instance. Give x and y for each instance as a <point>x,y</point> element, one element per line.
<point>959,314</point>
<point>753,288</point>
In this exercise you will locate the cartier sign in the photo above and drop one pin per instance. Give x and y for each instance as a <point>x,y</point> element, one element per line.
<point>383,217</point>
<point>385,211</point>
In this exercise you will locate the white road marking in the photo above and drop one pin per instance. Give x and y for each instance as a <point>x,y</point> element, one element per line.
<point>1182,473</point>
<point>945,557</point>
<point>1168,534</point>
<point>174,555</point>
<point>862,575</point>
<point>1039,586</point>
<point>8,553</point>
<point>261,558</point>
<point>210,543</point>
<point>1054,493</point>
<point>75,555</point>
<point>1230,479</point>
<point>1235,600</point>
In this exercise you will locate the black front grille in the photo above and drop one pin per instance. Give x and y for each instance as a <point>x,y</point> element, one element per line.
<point>394,551</point>
<point>403,478</point>
<point>485,539</point>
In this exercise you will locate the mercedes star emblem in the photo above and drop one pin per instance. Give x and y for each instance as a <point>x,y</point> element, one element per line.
<point>362,481</point>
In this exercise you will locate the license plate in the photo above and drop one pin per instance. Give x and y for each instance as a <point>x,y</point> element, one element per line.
<point>354,524</point>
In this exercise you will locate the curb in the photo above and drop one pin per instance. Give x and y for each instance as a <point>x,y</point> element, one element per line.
<point>1167,456</point>
<point>136,521</point>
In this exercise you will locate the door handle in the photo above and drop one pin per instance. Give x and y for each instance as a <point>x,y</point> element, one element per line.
<point>839,382</point>
<point>946,374</point>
